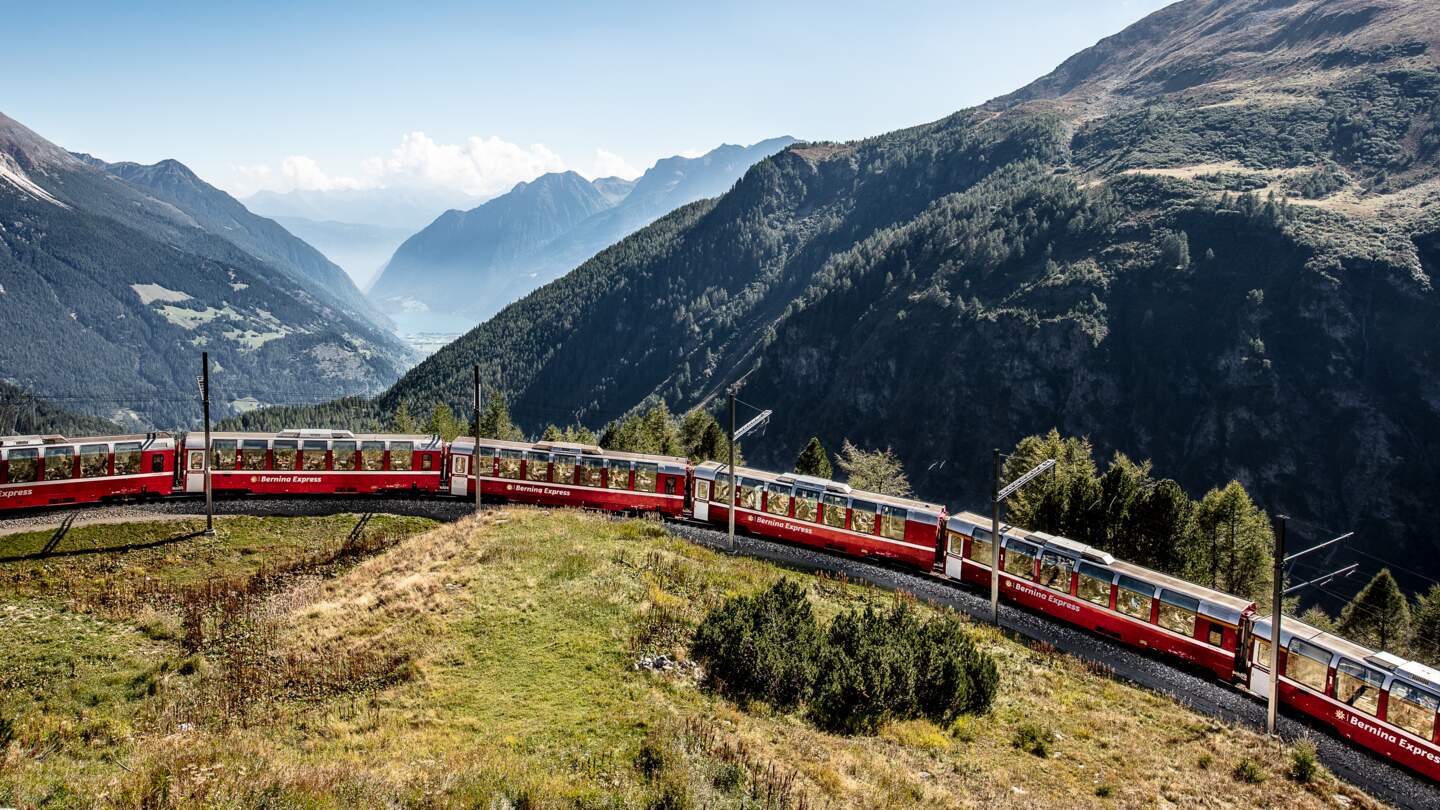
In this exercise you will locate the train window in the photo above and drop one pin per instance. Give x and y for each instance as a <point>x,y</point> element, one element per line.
<point>537,466</point>
<point>1020,559</point>
<point>807,505</point>
<point>313,456</point>
<point>1177,612</point>
<point>1216,636</point>
<point>1055,571</point>
<point>892,522</point>
<point>127,458</point>
<point>587,472</point>
<point>510,463</point>
<point>1094,584</point>
<point>702,489</point>
<point>157,463</point>
<point>59,463</point>
<point>721,490</point>
<point>372,456</point>
<point>1262,654</point>
<point>196,461</point>
<point>563,468</point>
<point>287,452</point>
<point>1307,664</point>
<point>485,461</point>
<point>252,454</point>
<point>619,474</point>
<point>1133,597</point>
<point>981,550</point>
<point>1412,709</point>
<point>427,461</point>
<point>750,489</point>
<point>647,477</point>
<point>94,461</point>
<point>778,500</point>
<point>834,512</point>
<point>226,454</point>
<point>24,465</point>
<point>1359,686</point>
<point>344,454</point>
<point>402,456</point>
<point>862,517</point>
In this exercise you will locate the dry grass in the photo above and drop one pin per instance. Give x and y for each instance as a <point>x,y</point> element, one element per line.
<point>508,643</point>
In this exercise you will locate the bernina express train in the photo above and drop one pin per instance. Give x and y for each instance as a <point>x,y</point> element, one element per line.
<point>1376,700</point>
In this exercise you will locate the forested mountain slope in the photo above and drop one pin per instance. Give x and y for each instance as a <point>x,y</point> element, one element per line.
<point>110,293</point>
<point>1209,240</point>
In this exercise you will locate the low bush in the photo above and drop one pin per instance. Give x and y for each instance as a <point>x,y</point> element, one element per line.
<point>1303,764</point>
<point>1033,739</point>
<point>1249,771</point>
<point>761,647</point>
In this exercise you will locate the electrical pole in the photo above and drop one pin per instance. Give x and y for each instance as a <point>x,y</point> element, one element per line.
<point>734,498</point>
<point>995,539</point>
<point>475,457</point>
<point>1278,589</point>
<point>209,490</point>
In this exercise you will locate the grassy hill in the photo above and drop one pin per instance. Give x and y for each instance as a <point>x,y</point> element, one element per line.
<point>491,662</point>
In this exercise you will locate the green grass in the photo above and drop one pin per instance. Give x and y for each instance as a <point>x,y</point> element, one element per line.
<point>509,642</point>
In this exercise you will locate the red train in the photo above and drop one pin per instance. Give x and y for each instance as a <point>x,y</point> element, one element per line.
<point>1377,700</point>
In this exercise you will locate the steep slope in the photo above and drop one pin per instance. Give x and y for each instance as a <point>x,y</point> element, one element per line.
<point>1209,240</point>
<point>467,265</point>
<point>110,293</point>
<point>216,212</point>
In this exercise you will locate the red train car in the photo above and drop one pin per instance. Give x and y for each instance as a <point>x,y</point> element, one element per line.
<point>53,470</point>
<point>821,513</point>
<point>1373,699</point>
<point>1085,586</point>
<point>315,462</point>
<point>565,474</point>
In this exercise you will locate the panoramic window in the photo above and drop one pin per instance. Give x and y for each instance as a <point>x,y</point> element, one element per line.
<point>127,458</point>
<point>510,463</point>
<point>372,456</point>
<point>1308,664</point>
<point>619,475</point>
<point>1177,612</point>
<point>777,501</point>
<point>537,466</point>
<point>587,473</point>
<point>702,489</point>
<point>1094,584</point>
<point>312,455</point>
<point>1133,597</point>
<point>834,512</point>
<point>485,461</point>
<point>1359,686</point>
<point>59,463</point>
<point>402,456</point>
<point>892,522</point>
<point>95,460</point>
<point>1412,709</point>
<point>344,454</point>
<point>807,505</point>
<point>24,465</point>
<point>647,477</point>
<point>721,492</point>
<point>287,452</point>
<point>980,549</point>
<point>252,454</point>
<point>1055,571</point>
<point>1020,559</point>
<point>226,454</point>
<point>862,517</point>
<point>750,489</point>
<point>563,469</point>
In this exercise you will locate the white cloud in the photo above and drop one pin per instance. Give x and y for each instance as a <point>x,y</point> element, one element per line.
<point>296,173</point>
<point>609,164</point>
<point>694,153</point>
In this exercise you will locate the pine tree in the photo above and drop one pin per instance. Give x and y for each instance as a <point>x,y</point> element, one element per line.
<point>874,471</point>
<point>402,421</point>
<point>1063,501</point>
<point>1231,545</point>
<point>495,420</point>
<point>1378,615</point>
<point>1425,628</point>
<point>442,422</point>
<point>813,460</point>
<point>552,434</point>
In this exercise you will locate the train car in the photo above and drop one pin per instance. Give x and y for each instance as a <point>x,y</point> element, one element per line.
<point>315,462</point>
<point>53,470</point>
<point>821,513</point>
<point>1376,700</point>
<point>1085,586</point>
<point>566,474</point>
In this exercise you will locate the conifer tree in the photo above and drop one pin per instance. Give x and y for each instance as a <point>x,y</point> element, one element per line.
<point>875,470</point>
<point>402,421</point>
<point>442,422</point>
<point>1378,615</point>
<point>1231,545</point>
<point>813,460</point>
<point>1425,628</point>
<point>1062,501</point>
<point>495,420</point>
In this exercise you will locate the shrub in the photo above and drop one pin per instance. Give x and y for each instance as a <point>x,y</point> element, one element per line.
<point>1204,762</point>
<point>653,756</point>
<point>1303,765</point>
<point>869,670</point>
<point>729,777</point>
<point>1104,791</point>
<point>762,647</point>
<point>955,678</point>
<point>1033,739</point>
<point>1249,771</point>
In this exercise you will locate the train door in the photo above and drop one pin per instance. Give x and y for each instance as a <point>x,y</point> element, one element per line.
<point>194,469</point>
<point>459,474</point>
<point>1259,683</point>
<point>701,499</point>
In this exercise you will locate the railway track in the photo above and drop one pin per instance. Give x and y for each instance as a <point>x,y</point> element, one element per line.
<point>1376,776</point>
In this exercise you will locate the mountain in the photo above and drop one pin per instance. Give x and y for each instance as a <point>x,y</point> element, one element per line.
<point>392,207</point>
<point>111,287</point>
<point>216,212</point>
<point>1209,240</point>
<point>360,249</point>
<point>466,265</point>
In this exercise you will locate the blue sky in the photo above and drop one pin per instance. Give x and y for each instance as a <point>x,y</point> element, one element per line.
<point>479,95</point>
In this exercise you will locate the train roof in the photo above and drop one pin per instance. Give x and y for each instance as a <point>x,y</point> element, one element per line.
<point>196,439</point>
<point>714,469</point>
<point>52,439</point>
<point>1217,604</point>
<point>1292,628</point>
<point>464,444</point>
